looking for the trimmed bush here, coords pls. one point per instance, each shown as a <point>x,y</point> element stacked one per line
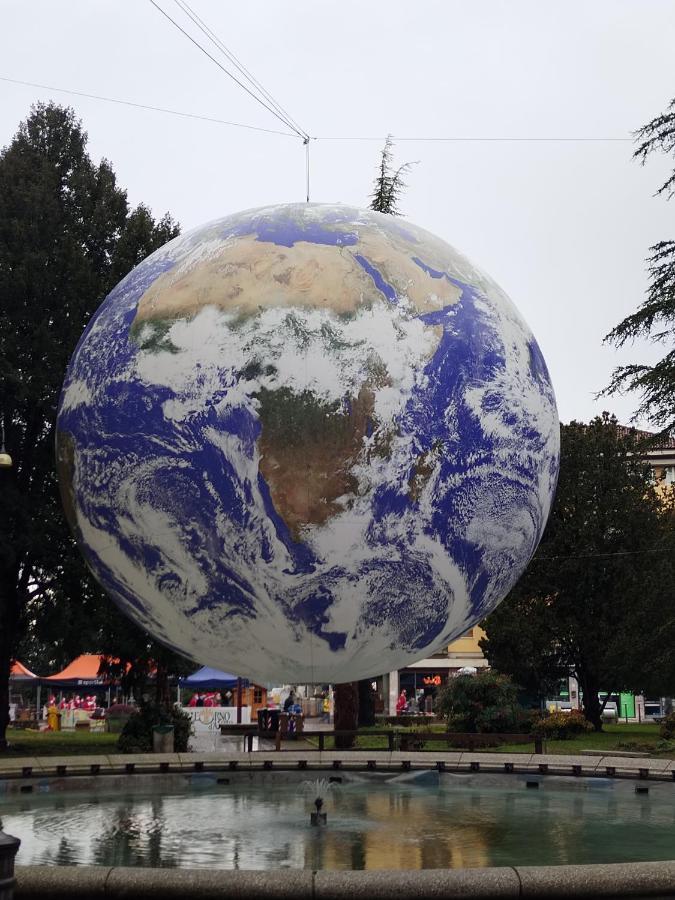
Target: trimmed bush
<point>667,729</point>
<point>483,703</point>
<point>121,710</point>
<point>561,726</point>
<point>136,736</point>
<point>118,715</point>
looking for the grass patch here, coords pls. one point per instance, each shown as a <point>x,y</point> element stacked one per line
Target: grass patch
<point>59,743</point>
<point>643,738</point>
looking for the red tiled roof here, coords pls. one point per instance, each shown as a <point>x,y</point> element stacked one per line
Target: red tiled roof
<point>667,443</point>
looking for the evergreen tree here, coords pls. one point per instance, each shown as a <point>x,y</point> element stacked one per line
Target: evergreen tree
<point>655,317</point>
<point>66,237</point>
<point>598,598</point>
<point>389,183</point>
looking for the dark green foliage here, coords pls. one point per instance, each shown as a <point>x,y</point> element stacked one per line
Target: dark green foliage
<point>655,317</point>
<point>486,702</point>
<point>66,237</point>
<point>667,729</point>
<point>598,598</point>
<point>136,736</point>
<point>389,183</point>
<point>137,656</point>
<point>561,726</point>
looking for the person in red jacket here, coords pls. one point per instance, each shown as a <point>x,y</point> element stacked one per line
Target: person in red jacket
<point>401,703</point>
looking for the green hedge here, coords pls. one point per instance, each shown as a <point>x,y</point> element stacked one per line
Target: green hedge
<point>136,736</point>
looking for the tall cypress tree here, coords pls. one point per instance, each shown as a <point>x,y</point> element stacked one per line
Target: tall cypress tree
<point>389,184</point>
<point>66,237</point>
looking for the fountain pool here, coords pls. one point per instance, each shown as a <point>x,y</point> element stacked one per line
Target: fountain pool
<point>415,820</point>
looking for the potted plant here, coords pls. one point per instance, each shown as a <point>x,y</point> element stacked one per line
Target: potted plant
<point>118,715</point>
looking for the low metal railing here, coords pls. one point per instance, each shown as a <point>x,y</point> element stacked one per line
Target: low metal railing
<point>395,740</point>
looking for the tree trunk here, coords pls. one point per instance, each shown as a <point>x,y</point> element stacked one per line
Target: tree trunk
<point>346,713</point>
<point>8,626</point>
<point>5,665</point>
<point>366,715</point>
<point>592,706</point>
<point>162,696</point>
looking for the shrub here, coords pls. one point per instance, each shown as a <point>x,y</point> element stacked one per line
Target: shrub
<point>121,710</point>
<point>562,726</point>
<point>136,736</point>
<point>486,703</point>
<point>667,729</point>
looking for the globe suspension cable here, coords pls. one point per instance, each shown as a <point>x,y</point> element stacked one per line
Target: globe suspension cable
<point>222,67</point>
<point>218,42</point>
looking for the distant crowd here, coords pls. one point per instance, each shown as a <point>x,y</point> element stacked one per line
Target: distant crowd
<point>214,698</point>
<point>75,702</point>
<point>419,705</point>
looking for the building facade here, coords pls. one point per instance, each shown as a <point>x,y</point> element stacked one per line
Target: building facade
<point>432,673</point>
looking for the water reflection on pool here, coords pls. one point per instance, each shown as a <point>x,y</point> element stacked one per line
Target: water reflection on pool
<point>413,821</point>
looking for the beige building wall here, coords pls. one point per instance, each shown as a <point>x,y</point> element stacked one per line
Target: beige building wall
<point>467,645</point>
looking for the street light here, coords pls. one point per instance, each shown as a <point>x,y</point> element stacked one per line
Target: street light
<point>5,458</point>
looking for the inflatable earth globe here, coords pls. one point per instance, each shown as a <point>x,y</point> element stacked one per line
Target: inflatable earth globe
<point>307,443</point>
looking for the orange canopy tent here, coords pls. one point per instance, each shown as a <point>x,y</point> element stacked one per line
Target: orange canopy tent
<point>21,678</point>
<point>81,672</point>
<point>19,672</point>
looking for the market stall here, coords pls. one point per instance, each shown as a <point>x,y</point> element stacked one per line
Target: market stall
<point>82,681</point>
<point>20,678</point>
<point>219,698</point>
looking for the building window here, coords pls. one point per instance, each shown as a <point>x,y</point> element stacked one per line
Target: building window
<point>257,695</point>
<point>669,474</point>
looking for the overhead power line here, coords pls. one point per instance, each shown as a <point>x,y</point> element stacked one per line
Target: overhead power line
<point>161,109</point>
<point>253,81</point>
<point>603,555</point>
<point>476,138</point>
<point>223,68</point>
<point>204,118</point>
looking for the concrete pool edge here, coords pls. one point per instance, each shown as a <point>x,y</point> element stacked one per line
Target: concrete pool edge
<point>23,770</point>
<point>651,879</point>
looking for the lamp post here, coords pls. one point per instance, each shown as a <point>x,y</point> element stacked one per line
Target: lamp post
<point>9,846</point>
<point>5,458</point>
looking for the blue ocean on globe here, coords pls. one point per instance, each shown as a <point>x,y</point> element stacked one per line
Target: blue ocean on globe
<point>307,443</point>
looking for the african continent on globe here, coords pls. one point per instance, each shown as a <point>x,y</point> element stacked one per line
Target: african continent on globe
<point>307,443</point>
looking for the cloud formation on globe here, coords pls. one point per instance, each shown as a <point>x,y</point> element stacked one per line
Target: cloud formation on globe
<point>307,443</point>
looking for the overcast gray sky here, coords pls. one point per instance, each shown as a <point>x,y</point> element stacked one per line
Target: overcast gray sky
<point>563,226</point>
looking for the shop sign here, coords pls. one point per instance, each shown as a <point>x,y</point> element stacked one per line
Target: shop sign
<point>430,680</point>
<point>210,718</point>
